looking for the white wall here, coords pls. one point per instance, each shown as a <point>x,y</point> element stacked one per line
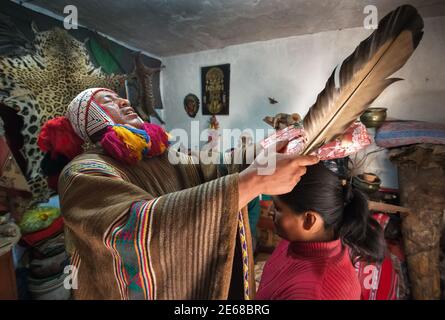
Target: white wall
<point>294,70</point>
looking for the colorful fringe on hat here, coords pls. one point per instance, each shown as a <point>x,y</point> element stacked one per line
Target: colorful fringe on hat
<point>130,145</point>
<point>123,143</point>
<point>58,138</point>
<point>60,144</point>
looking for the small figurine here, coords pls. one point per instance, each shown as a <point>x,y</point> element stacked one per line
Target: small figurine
<point>213,123</point>
<point>282,120</point>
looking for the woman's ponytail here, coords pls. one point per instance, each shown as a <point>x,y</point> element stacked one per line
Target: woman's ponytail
<point>359,230</point>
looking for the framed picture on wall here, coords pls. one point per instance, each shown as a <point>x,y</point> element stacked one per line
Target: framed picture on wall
<point>215,84</point>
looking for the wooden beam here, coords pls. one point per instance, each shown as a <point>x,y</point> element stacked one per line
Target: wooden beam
<point>388,208</point>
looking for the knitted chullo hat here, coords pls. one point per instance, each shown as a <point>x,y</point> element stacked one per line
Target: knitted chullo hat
<point>86,115</point>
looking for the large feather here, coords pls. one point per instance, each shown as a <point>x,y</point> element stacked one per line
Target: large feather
<point>363,76</point>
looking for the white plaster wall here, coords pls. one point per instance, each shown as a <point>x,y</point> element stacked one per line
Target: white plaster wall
<point>294,70</point>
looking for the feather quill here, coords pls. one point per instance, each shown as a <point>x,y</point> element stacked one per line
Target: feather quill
<point>363,76</point>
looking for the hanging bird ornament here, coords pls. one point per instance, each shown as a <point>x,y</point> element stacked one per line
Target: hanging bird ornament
<point>272,100</point>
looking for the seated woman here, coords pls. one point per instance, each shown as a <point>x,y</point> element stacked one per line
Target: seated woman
<point>326,227</point>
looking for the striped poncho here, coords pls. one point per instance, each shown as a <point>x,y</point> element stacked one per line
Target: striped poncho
<point>155,230</point>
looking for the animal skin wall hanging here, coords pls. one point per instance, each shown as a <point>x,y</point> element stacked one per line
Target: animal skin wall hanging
<point>215,82</point>
<point>146,99</point>
<point>38,79</point>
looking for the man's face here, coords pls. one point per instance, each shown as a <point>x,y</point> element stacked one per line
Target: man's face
<point>118,109</point>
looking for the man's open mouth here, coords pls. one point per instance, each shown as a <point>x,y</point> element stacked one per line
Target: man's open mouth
<point>129,112</point>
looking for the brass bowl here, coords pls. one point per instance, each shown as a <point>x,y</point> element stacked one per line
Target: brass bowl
<point>366,186</point>
<point>373,117</point>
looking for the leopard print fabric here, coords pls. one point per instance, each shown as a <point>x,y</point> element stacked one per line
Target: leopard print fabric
<point>39,86</point>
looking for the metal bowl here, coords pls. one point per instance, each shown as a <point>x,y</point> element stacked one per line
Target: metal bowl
<point>366,186</point>
<point>373,117</point>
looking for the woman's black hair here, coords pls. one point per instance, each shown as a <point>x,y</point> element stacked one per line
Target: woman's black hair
<point>344,209</point>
